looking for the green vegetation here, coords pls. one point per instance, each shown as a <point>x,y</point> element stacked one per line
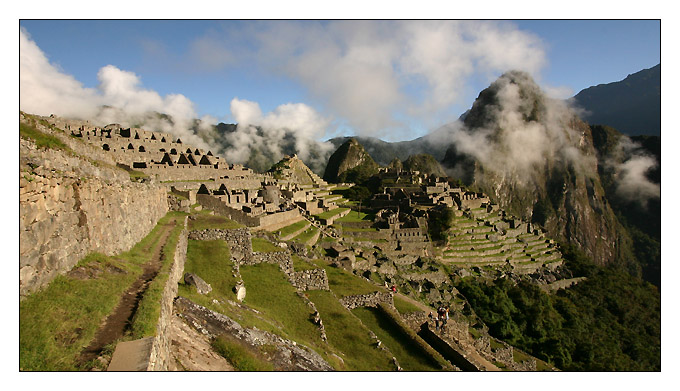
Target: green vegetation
<point>609,322</point>
<point>203,221</point>
<point>290,229</point>
<point>299,264</point>
<point>262,245</point>
<point>439,223</point>
<point>145,320</point>
<point>329,214</point>
<point>404,306</point>
<point>56,323</point>
<point>270,292</point>
<point>346,334</point>
<point>411,356</point>
<point>343,283</point>
<point>243,358</point>
<point>356,216</point>
<point>211,260</point>
<point>307,235</point>
<point>41,140</point>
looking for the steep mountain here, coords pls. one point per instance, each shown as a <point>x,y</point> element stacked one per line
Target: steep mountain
<point>536,158</point>
<point>383,152</point>
<point>632,105</point>
<point>424,163</point>
<point>641,213</point>
<point>350,163</point>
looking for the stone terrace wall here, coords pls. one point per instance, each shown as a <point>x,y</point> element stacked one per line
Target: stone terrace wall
<point>160,349</point>
<point>314,279</point>
<point>70,206</point>
<point>367,300</point>
<point>269,222</point>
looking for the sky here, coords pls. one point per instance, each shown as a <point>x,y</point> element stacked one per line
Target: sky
<point>395,80</point>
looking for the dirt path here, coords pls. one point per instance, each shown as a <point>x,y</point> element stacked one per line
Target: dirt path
<point>118,321</point>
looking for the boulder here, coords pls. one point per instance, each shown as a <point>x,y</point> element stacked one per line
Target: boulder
<point>202,287</point>
<point>240,290</point>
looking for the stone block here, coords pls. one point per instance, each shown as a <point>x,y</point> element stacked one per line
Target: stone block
<point>202,287</point>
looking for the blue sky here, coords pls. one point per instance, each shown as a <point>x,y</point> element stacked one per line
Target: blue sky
<point>211,63</point>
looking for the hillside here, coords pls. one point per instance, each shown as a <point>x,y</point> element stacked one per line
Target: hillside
<point>632,105</point>
<point>350,163</point>
<point>280,272</point>
<point>539,163</point>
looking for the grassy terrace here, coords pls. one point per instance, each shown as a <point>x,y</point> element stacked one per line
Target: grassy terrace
<point>262,245</point>
<point>299,264</point>
<point>344,283</point>
<point>205,221</point>
<point>349,336</point>
<point>409,355</point>
<point>306,235</point>
<point>41,140</point>
<point>290,229</point>
<point>331,213</point>
<point>56,323</point>
<point>355,217</point>
<point>270,292</point>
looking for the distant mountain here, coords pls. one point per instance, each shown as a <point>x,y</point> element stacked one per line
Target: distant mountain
<point>536,159</point>
<point>632,105</point>
<point>424,163</point>
<point>350,163</point>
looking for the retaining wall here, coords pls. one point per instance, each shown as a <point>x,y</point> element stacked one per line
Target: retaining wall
<point>159,357</point>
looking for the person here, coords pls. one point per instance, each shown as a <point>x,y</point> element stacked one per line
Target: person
<point>394,289</point>
<point>436,323</point>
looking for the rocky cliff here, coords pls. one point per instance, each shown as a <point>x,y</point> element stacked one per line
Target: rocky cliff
<point>424,163</point>
<point>350,163</point>
<point>535,158</point>
<point>71,205</point>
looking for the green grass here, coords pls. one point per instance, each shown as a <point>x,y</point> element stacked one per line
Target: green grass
<point>328,214</point>
<point>145,321</point>
<point>299,264</point>
<point>343,283</point>
<point>41,140</point>
<point>290,229</point>
<point>405,306</point>
<point>306,235</point>
<point>262,245</point>
<point>205,221</point>
<point>56,323</point>
<point>347,335</point>
<point>269,291</point>
<point>211,260</point>
<point>410,356</point>
<point>242,357</point>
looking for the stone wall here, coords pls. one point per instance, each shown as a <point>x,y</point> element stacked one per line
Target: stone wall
<point>313,279</point>
<point>160,350</point>
<point>367,300</point>
<point>269,222</point>
<point>70,206</point>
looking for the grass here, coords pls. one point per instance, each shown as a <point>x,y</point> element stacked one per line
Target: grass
<point>410,356</point>
<point>145,321</point>
<point>299,264</point>
<point>307,235</point>
<point>269,291</point>
<point>41,140</point>
<point>205,221</point>
<point>243,358</point>
<point>290,229</point>
<point>347,335</point>
<point>328,214</point>
<point>343,283</point>
<point>211,260</point>
<point>405,306</point>
<point>262,245</point>
<point>56,323</point>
